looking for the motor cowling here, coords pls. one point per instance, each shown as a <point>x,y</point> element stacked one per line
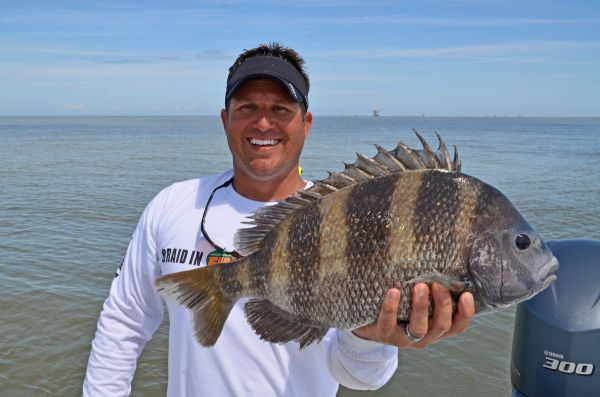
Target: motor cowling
<point>556,341</point>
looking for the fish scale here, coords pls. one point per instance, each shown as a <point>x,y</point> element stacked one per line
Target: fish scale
<point>327,256</point>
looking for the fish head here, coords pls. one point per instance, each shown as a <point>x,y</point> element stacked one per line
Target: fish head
<point>508,261</point>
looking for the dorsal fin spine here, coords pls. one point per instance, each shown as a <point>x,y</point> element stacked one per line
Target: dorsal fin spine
<point>356,173</point>
<point>387,159</point>
<point>311,195</point>
<point>370,166</point>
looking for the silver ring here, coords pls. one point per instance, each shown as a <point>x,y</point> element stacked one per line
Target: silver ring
<point>410,336</point>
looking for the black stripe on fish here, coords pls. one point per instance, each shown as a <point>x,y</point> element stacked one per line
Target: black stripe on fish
<point>261,270</point>
<point>435,212</point>
<point>368,220</point>
<point>304,235</point>
<point>486,198</point>
<point>228,278</point>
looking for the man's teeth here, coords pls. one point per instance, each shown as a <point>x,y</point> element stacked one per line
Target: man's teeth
<point>264,142</point>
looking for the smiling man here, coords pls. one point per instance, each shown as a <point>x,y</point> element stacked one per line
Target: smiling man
<point>265,130</point>
<point>192,224</point>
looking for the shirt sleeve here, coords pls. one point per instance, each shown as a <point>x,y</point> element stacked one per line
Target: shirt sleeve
<point>361,364</point>
<point>130,316</point>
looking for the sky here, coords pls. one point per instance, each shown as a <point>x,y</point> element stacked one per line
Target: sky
<point>403,57</point>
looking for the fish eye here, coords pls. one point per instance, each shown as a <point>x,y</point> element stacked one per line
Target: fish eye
<point>522,241</point>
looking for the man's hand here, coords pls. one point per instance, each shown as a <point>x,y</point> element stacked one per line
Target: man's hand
<point>443,324</point>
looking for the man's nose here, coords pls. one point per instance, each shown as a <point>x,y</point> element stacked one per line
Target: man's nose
<point>264,122</point>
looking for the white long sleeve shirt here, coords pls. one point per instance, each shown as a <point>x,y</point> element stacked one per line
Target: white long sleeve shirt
<point>168,239</point>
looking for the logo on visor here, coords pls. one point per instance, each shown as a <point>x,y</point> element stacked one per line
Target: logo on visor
<point>292,91</point>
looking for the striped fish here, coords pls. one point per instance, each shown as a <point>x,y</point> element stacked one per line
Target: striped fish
<point>327,256</point>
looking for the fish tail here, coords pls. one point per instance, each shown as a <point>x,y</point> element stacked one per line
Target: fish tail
<point>209,292</point>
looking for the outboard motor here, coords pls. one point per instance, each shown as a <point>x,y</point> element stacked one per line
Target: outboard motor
<point>556,342</point>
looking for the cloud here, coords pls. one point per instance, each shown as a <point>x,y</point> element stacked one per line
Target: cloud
<point>500,50</point>
<point>126,61</point>
<point>99,71</point>
<point>215,55</point>
<point>239,13</point>
<point>462,22</point>
<point>115,56</point>
<point>62,51</point>
<point>76,107</point>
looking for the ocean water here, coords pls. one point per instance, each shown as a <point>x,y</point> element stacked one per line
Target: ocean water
<point>72,189</point>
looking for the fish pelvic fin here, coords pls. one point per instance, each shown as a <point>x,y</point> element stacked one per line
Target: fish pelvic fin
<point>207,292</point>
<point>454,284</point>
<point>400,159</point>
<point>273,324</point>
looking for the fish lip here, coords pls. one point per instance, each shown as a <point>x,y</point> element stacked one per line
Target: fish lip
<point>548,276</point>
<point>548,273</point>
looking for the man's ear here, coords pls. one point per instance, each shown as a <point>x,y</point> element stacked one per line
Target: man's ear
<point>308,119</point>
<point>224,120</point>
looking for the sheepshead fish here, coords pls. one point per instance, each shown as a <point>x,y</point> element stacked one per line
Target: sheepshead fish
<point>327,256</point>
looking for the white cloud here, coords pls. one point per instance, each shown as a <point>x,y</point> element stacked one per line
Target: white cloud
<point>96,54</point>
<point>76,107</point>
<point>466,51</point>
<point>463,22</point>
<point>237,13</point>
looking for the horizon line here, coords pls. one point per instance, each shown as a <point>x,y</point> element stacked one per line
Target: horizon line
<point>316,115</point>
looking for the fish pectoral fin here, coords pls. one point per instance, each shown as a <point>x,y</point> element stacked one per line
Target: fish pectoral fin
<point>454,284</point>
<point>273,324</point>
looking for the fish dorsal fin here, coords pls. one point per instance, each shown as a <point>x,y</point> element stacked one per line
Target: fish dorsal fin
<point>400,159</point>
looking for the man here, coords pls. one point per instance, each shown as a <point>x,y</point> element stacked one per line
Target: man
<point>192,224</point>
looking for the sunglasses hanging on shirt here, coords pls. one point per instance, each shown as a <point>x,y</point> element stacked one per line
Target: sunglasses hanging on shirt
<point>221,251</point>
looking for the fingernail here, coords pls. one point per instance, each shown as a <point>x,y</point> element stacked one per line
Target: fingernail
<point>422,291</point>
<point>468,299</point>
<point>392,294</point>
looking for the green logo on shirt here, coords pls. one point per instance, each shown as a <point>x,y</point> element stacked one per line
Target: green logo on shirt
<point>218,256</point>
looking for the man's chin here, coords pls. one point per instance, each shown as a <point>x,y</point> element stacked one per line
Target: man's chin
<point>268,173</point>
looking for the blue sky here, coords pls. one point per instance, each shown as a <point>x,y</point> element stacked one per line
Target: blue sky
<point>469,57</point>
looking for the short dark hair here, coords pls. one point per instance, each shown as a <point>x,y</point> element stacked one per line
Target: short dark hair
<point>276,50</point>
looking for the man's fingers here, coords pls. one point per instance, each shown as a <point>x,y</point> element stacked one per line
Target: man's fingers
<point>442,312</point>
<point>464,313</point>
<point>385,330</point>
<point>443,324</point>
<point>387,320</point>
<point>419,315</point>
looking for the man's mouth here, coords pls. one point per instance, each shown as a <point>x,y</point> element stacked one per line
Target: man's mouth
<point>264,142</point>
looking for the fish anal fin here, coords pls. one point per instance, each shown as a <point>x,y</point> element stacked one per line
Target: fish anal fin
<point>273,324</point>
<point>454,284</point>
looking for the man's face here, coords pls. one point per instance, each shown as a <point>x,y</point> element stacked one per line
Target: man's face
<point>265,131</point>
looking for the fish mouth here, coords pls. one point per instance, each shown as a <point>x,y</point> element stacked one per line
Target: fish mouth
<point>548,272</point>
<point>547,275</point>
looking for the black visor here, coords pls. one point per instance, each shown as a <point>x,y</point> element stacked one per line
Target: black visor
<point>272,68</point>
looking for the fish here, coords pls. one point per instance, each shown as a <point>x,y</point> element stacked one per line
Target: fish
<point>325,257</point>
